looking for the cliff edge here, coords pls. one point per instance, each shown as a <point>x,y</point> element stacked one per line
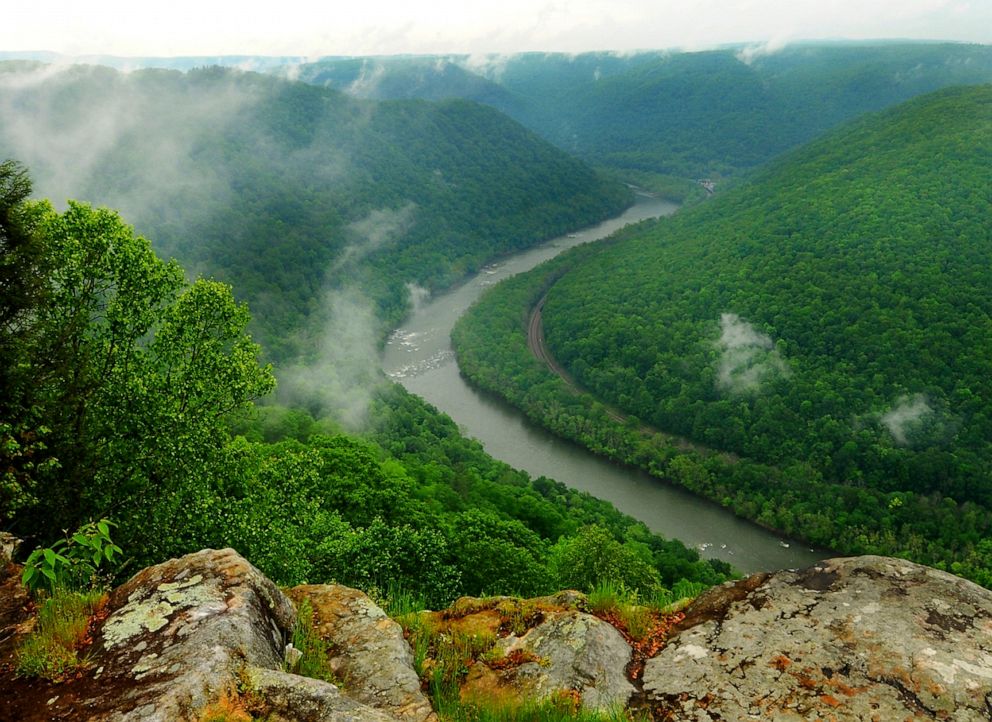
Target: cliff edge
<point>863,638</point>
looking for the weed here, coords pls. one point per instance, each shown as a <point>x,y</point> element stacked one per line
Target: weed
<point>51,651</point>
<point>563,706</point>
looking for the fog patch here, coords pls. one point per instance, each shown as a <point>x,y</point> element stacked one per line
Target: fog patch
<point>910,415</point>
<point>750,53</point>
<point>376,230</point>
<point>341,369</point>
<point>748,358</point>
<point>418,295</point>
<point>368,80</point>
<point>120,144</point>
<point>490,66</point>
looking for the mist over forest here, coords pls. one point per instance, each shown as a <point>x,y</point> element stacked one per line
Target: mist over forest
<point>203,258</point>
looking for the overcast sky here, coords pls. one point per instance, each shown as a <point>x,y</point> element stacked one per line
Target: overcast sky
<point>359,27</point>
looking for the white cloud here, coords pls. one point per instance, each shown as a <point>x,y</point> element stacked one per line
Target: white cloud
<point>294,27</point>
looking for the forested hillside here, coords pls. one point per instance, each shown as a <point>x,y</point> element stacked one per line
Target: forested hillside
<point>286,190</point>
<point>128,395</point>
<point>690,115</point>
<point>828,324</point>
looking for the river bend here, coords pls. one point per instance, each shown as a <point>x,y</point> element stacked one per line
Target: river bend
<point>419,356</point>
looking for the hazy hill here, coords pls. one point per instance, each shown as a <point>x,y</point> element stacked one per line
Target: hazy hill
<point>685,114</point>
<point>836,311</point>
<point>289,191</point>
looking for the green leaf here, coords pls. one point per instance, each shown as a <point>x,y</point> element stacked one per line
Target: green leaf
<point>103,527</point>
<point>49,557</point>
<point>48,573</point>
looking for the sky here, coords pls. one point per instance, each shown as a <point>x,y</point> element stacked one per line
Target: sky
<point>311,28</point>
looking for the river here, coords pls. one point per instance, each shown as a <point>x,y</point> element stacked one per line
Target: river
<point>419,356</point>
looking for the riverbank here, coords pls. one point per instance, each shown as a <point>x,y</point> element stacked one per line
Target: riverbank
<point>419,355</point>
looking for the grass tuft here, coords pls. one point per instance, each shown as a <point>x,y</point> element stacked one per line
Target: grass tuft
<point>316,659</point>
<point>51,651</point>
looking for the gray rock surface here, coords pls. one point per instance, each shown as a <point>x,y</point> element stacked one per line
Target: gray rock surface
<point>291,698</point>
<point>864,638</point>
<point>368,651</point>
<point>178,633</point>
<point>569,650</point>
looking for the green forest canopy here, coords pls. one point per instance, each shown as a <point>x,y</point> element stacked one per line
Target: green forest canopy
<point>128,394</point>
<point>286,190</point>
<point>835,311</point>
<point>692,114</point>
<point>827,323</point>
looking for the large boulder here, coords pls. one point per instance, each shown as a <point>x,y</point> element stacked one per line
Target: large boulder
<point>864,638</point>
<point>567,651</point>
<point>178,633</point>
<point>291,698</point>
<point>367,650</point>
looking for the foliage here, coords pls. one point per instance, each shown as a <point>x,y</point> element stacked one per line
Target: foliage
<point>860,268</point>
<point>142,379</point>
<point>557,708</point>
<point>593,557</point>
<point>50,651</point>
<point>131,374</point>
<point>72,562</point>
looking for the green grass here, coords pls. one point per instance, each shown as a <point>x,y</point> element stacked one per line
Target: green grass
<point>315,661</point>
<point>51,650</point>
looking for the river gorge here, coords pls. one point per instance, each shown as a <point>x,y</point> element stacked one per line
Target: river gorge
<point>419,356</point>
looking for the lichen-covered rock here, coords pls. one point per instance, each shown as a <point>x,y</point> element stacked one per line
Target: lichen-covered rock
<point>290,698</point>
<point>865,638</point>
<point>569,650</point>
<point>368,651</point>
<point>178,633</point>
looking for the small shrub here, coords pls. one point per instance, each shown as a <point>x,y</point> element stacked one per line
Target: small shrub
<point>72,562</point>
<point>51,651</point>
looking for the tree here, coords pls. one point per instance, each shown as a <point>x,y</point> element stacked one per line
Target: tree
<point>133,371</point>
<point>593,556</point>
<point>22,288</point>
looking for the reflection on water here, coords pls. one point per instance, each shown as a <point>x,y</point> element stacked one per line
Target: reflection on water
<point>419,356</point>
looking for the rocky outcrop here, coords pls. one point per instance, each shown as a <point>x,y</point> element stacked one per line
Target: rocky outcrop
<point>178,632</point>
<point>291,698</point>
<point>367,651</point>
<point>181,636</point>
<point>863,638</point>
